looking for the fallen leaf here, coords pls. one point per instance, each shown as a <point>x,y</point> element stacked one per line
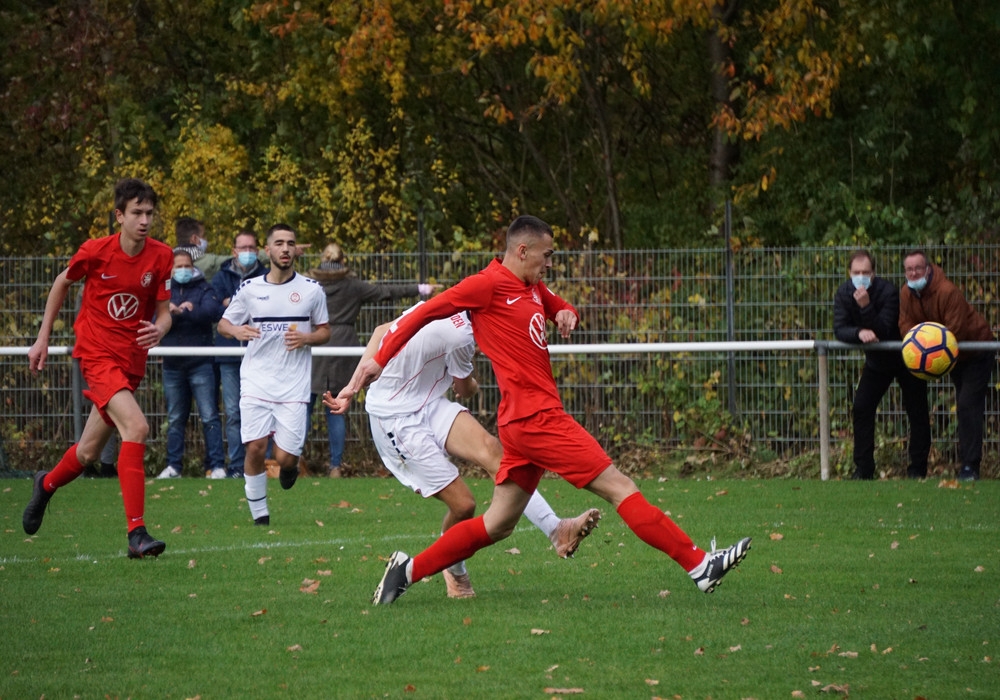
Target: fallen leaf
<point>894,545</point>
<point>563,691</point>
<point>848,654</point>
<point>263,559</point>
<point>176,530</point>
<point>887,650</point>
<point>650,681</point>
<point>513,550</point>
<point>798,694</point>
<point>948,484</point>
<point>834,688</point>
<point>309,586</point>
<point>320,523</point>
<point>722,493</point>
<point>262,611</point>
<point>663,593</point>
<point>700,651</point>
<point>191,563</point>
<point>738,647</point>
<point>410,688</point>
<point>107,619</point>
<point>482,669</point>
<point>294,647</point>
<point>979,569</point>
<point>745,621</point>
<point>324,572</point>
<point>776,536</point>
<point>538,631</point>
<point>342,504</point>
<point>466,621</point>
<point>775,569</point>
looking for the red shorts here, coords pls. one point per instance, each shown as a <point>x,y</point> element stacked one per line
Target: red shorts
<point>105,379</point>
<point>551,441</point>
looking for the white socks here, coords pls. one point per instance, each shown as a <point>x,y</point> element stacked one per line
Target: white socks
<point>256,491</point>
<point>541,515</point>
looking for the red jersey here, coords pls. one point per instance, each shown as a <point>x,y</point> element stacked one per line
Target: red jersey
<point>509,324</point>
<point>119,292</point>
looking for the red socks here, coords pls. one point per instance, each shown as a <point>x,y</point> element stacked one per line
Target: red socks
<point>460,541</point>
<point>653,527</point>
<point>68,468</point>
<point>132,477</point>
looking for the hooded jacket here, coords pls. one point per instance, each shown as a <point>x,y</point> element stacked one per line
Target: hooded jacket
<point>942,302</point>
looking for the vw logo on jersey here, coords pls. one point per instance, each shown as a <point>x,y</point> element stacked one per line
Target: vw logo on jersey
<point>536,331</point>
<point>122,307</point>
<point>294,298</point>
<point>147,279</point>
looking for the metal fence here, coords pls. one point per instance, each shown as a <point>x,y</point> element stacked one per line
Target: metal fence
<point>752,406</point>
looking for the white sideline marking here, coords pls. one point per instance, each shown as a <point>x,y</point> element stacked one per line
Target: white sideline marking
<point>237,547</point>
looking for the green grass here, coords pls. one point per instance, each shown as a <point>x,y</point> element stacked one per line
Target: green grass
<point>873,586</point>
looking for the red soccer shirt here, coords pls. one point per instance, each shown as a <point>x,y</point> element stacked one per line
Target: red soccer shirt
<point>119,292</point>
<point>509,323</point>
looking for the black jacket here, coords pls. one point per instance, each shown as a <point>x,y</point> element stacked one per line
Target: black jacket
<point>881,315</point>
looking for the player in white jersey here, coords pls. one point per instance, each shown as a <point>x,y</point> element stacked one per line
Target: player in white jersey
<point>416,429</point>
<point>278,315</point>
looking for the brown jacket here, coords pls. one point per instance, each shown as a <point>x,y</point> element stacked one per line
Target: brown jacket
<point>942,302</point>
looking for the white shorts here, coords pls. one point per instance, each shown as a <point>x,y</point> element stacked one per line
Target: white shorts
<point>284,422</point>
<point>412,446</point>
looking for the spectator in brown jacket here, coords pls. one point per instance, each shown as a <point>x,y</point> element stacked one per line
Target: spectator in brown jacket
<point>929,296</point>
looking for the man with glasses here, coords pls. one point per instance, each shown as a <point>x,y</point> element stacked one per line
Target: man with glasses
<point>244,265</point>
<point>930,296</point>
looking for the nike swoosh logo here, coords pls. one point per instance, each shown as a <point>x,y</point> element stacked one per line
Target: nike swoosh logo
<point>107,277</point>
<point>511,301</point>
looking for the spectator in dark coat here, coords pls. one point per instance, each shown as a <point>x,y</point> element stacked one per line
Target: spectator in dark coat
<point>345,295</point>
<point>194,307</point>
<point>866,310</point>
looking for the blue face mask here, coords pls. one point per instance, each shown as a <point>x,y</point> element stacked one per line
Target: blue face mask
<point>861,281</point>
<point>917,285</point>
<point>246,258</point>
<point>183,275</point>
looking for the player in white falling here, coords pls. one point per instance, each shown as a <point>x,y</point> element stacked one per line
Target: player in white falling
<point>279,315</point>
<point>415,429</point>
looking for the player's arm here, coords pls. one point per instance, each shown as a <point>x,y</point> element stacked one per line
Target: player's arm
<point>228,329</point>
<point>465,387</point>
<point>39,352</point>
<point>295,339</point>
<point>151,333</point>
<point>340,403</point>
<point>560,311</point>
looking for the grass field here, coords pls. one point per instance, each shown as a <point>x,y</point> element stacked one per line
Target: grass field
<point>877,590</point>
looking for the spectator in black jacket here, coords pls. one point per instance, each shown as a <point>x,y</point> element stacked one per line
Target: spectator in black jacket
<point>866,310</point>
<point>194,307</point>
<point>244,264</point>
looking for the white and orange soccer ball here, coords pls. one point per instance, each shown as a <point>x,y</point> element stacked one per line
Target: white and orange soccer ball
<point>929,350</point>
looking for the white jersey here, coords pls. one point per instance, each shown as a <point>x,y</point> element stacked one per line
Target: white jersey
<point>423,369</point>
<point>269,370</point>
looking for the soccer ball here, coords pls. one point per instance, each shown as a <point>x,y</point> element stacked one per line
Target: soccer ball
<point>929,350</point>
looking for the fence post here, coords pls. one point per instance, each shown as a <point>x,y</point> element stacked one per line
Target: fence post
<point>824,413</point>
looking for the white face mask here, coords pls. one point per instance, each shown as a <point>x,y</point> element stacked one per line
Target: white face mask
<point>861,281</point>
<point>917,285</point>
<point>202,245</point>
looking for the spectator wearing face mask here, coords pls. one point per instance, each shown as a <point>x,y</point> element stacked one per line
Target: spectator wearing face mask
<point>930,296</point>
<point>866,310</point>
<point>190,234</point>
<point>194,308</point>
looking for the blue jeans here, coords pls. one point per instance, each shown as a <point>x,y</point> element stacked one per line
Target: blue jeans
<point>336,430</point>
<point>179,387</point>
<point>229,374</point>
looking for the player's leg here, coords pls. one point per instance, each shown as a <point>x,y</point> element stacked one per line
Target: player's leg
<point>468,440</point>
<point>256,423</point>
<point>289,437</point>
<point>132,425</point>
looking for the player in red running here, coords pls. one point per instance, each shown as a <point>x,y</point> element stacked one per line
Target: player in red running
<point>510,307</point>
<point>125,311</point>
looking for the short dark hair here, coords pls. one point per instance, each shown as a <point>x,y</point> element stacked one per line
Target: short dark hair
<point>526,225</point>
<point>281,227</point>
<point>131,188</point>
<point>920,252</point>
<point>860,253</point>
<point>185,228</point>
<point>246,233</point>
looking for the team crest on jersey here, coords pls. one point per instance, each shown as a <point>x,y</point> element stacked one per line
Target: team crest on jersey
<point>147,279</point>
<point>294,297</point>
<point>122,307</point>
<point>536,331</point>
<point>534,295</point>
